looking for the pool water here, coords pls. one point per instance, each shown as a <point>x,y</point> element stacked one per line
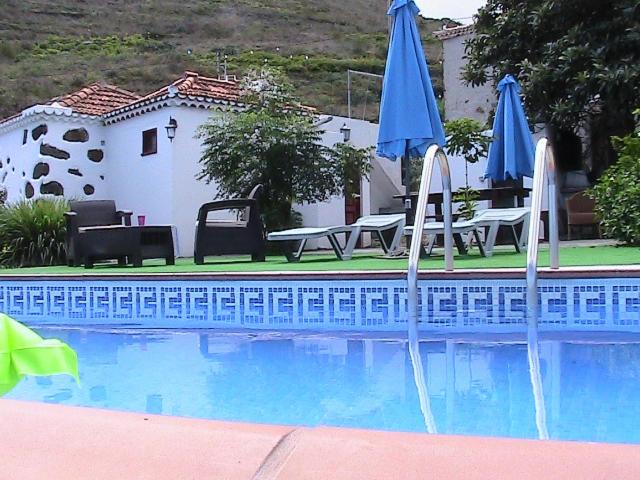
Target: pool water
<point>476,386</point>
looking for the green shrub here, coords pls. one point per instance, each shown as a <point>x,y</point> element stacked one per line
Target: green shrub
<point>32,233</point>
<point>465,137</point>
<point>109,45</point>
<point>617,193</point>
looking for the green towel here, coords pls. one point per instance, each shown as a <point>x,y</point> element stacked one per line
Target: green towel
<point>24,352</point>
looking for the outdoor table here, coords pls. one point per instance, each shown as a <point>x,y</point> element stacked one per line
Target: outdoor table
<point>496,195</point>
<point>109,241</point>
<point>156,241</point>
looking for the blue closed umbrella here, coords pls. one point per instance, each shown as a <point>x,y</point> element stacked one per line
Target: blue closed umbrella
<point>511,154</point>
<point>409,117</point>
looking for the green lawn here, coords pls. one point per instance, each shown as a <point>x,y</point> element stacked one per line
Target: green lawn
<point>502,258</point>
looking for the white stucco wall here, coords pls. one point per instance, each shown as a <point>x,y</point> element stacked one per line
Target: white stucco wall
<point>16,158</point>
<point>460,99</point>
<point>19,160</point>
<point>140,183</point>
<point>188,192</point>
<point>163,186</point>
<point>376,193</point>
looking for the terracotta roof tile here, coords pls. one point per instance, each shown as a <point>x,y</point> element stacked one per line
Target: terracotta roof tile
<point>101,99</point>
<point>96,99</point>
<point>448,33</point>
<point>194,85</point>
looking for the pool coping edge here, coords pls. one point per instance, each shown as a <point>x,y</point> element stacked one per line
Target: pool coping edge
<point>609,271</point>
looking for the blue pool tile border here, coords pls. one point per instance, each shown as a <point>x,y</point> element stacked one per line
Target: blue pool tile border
<point>597,304</point>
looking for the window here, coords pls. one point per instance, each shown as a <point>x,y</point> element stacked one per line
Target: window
<point>150,142</point>
<point>25,134</point>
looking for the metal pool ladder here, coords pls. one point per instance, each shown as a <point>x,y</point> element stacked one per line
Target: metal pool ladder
<point>545,166</point>
<point>433,152</point>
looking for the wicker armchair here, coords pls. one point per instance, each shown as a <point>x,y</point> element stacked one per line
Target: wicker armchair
<point>96,231</point>
<point>243,235</point>
<point>580,213</point>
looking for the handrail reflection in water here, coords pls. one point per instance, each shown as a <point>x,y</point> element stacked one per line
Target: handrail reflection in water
<point>420,379</point>
<point>533,357</point>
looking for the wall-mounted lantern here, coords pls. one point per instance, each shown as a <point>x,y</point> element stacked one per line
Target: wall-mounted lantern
<point>346,133</point>
<point>171,128</point>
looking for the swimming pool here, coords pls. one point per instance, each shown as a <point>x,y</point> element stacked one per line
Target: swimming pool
<point>475,386</point>
<point>335,352</point>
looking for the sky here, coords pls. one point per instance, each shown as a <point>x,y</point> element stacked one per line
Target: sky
<point>455,9</point>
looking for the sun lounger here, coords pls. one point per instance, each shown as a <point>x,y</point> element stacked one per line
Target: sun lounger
<point>458,229</point>
<point>301,236</point>
<point>493,218</point>
<point>388,228</point>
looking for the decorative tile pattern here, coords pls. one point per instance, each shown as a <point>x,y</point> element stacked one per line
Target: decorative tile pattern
<point>589,304</point>
<point>146,302</point>
<point>512,304</point>
<point>171,302</point>
<point>478,305</point>
<point>281,305</point>
<point>223,305</point>
<point>311,305</point>
<point>626,304</point>
<point>442,305</point>
<point>594,304</point>
<point>374,306</point>
<point>197,303</point>
<point>99,302</point>
<point>252,305</point>
<point>122,302</point>
<point>342,306</point>
<point>554,307</point>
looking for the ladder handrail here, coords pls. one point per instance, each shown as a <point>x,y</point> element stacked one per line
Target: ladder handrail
<point>418,225</point>
<point>545,166</point>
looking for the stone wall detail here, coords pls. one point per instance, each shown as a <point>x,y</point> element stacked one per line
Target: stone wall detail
<point>76,135</point>
<point>59,158</point>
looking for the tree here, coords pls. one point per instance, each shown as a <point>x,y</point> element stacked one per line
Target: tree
<point>466,137</point>
<point>578,63</point>
<point>274,142</point>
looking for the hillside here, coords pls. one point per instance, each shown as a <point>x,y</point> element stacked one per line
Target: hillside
<point>50,48</point>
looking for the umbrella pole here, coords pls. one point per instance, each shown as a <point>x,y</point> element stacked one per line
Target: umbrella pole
<point>408,207</point>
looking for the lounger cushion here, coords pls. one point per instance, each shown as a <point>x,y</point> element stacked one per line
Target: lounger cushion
<point>305,232</point>
<point>505,216</point>
<point>380,221</point>
<point>438,227</point>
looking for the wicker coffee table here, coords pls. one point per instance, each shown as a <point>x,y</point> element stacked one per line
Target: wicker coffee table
<point>156,241</point>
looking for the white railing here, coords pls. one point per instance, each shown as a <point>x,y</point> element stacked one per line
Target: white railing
<point>545,166</point>
<point>433,152</point>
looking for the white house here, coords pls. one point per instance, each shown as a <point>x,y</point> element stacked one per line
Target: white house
<point>465,101</point>
<point>103,142</point>
<point>462,100</point>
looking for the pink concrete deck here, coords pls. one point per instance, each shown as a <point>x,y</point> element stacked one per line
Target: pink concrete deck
<point>40,441</point>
